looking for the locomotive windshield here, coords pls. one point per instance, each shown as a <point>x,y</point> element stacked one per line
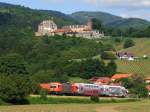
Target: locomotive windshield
<point>53,86</point>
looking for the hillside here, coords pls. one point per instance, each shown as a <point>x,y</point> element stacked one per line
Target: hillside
<point>141,47</point>
<point>83,16</point>
<point>19,17</point>
<point>110,20</point>
<point>140,66</point>
<point>42,56</point>
<point>17,27</point>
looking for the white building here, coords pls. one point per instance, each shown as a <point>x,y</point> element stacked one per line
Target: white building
<point>46,27</point>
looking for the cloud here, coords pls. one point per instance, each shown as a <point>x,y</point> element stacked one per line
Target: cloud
<point>124,8</point>
<point>120,3</point>
<point>107,3</point>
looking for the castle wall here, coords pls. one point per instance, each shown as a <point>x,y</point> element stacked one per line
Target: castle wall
<point>49,28</point>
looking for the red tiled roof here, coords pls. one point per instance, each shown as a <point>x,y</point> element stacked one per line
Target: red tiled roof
<point>87,29</point>
<point>120,76</point>
<point>103,79</point>
<point>93,78</point>
<point>63,30</point>
<point>148,78</point>
<point>148,87</point>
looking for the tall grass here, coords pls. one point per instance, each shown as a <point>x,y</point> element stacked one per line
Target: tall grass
<point>54,100</point>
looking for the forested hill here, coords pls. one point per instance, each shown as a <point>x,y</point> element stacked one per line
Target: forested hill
<point>23,16</point>
<point>47,58</point>
<point>19,17</point>
<point>111,20</point>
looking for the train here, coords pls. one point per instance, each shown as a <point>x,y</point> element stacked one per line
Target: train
<point>84,89</point>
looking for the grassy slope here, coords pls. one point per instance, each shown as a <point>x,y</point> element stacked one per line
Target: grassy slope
<point>142,47</point>
<point>141,66</point>
<point>142,106</point>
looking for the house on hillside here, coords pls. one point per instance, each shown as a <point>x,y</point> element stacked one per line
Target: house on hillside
<point>101,80</point>
<point>148,88</point>
<point>126,56</point>
<point>120,76</point>
<point>93,79</point>
<point>147,80</point>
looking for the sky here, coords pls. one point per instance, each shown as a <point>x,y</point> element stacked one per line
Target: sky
<point>123,8</point>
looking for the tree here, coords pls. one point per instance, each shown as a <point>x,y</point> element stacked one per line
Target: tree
<point>43,76</point>
<point>14,88</point>
<point>128,43</point>
<point>13,64</point>
<point>136,85</point>
<point>97,24</point>
<point>43,94</point>
<point>92,67</point>
<point>111,68</point>
<point>108,55</point>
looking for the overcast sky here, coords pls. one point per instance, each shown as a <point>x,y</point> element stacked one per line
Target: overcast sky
<point>124,8</point>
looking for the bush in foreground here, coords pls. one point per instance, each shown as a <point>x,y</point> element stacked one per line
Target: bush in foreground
<point>128,43</point>
<point>14,88</point>
<point>95,98</point>
<point>43,94</point>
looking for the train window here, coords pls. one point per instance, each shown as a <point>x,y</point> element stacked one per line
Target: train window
<point>53,86</point>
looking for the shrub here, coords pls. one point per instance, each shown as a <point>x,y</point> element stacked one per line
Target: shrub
<point>107,55</point>
<point>95,98</point>
<point>128,43</point>
<point>14,88</point>
<point>43,94</point>
<point>118,40</point>
<point>111,68</point>
<point>136,85</point>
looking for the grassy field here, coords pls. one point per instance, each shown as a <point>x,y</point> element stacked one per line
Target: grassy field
<point>35,99</point>
<point>139,66</point>
<point>142,46</point>
<point>141,106</point>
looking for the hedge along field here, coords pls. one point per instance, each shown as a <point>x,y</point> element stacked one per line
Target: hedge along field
<point>142,106</point>
<point>75,99</point>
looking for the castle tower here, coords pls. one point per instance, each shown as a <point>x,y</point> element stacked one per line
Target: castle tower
<point>90,24</point>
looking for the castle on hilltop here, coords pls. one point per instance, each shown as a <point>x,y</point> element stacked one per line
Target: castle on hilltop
<point>48,27</point>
